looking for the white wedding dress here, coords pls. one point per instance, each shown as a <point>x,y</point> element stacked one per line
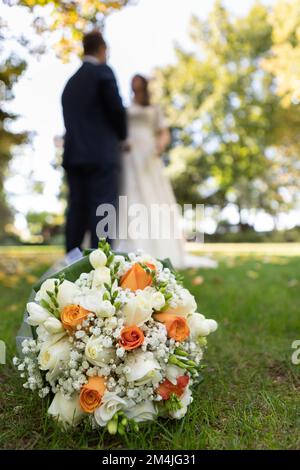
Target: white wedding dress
<point>144,182</point>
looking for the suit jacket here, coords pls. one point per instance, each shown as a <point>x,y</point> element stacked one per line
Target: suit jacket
<point>94,116</point>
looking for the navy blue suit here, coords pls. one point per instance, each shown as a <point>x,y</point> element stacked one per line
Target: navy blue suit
<point>95,122</point>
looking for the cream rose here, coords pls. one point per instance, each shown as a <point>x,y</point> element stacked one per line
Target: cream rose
<point>96,353</point>
<point>142,368</point>
<point>67,411</point>
<point>144,411</point>
<point>138,309</point>
<point>51,354</point>
<point>185,306</point>
<point>106,309</point>
<point>111,403</point>
<point>93,303</point>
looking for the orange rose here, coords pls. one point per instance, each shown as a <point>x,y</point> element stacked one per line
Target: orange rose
<point>131,337</point>
<point>166,388</point>
<point>177,327</point>
<point>73,315</point>
<point>137,278</point>
<point>91,394</point>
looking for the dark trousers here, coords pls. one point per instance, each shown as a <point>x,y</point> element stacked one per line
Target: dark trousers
<point>88,188</point>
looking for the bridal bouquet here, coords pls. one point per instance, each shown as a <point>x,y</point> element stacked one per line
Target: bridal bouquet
<point>115,338</point>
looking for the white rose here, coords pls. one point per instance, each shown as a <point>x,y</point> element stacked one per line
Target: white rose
<point>185,400</point>
<point>143,368</point>
<point>42,333</point>
<point>138,309</point>
<point>119,259</point>
<point>67,411</point>
<point>53,325</point>
<point>186,304</point>
<point>67,291</point>
<point>172,372</point>
<point>106,309</point>
<point>37,314</point>
<point>158,301</point>
<point>96,353</point>
<point>213,325</point>
<point>93,303</point>
<point>200,326</point>
<point>101,277</point>
<point>51,354</point>
<point>144,411</point>
<point>111,403</point>
<point>98,258</point>
<point>90,301</point>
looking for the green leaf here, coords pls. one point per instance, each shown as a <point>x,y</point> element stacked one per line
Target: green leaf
<point>71,272</point>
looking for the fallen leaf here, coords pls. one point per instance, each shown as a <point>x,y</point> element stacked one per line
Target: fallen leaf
<point>198,280</point>
<point>13,308</point>
<point>218,280</point>
<point>31,279</point>
<point>252,274</point>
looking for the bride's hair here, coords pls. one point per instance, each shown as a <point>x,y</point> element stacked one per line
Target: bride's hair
<point>143,91</point>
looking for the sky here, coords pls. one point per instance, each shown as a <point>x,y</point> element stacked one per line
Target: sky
<point>140,37</point>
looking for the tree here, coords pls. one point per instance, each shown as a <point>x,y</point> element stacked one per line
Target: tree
<point>226,119</point>
<point>284,60</point>
<point>68,19</point>
<point>11,69</point>
<point>43,226</point>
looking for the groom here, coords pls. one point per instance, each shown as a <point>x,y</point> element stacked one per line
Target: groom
<point>95,122</point>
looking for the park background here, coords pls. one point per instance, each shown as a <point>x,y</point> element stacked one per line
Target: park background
<point>227,75</point>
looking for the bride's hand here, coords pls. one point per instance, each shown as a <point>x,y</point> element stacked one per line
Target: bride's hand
<point>126,147</point>
<point>160,148</point>
<point>163,140</point>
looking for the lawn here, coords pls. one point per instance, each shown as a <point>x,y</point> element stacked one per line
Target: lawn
<point>250,398</point>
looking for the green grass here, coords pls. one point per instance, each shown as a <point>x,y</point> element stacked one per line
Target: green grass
<point>250,396</point>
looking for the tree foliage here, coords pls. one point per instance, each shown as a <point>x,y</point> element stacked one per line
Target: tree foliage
<point>11,69</point>
<point>43,226</point>
<point>234,142</point>
<point>284,60</point>
<point>68,19</point>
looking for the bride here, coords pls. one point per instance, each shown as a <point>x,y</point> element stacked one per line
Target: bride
<point>147,188</point>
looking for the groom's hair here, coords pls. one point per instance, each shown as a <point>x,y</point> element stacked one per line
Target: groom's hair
<point>92,42</point>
